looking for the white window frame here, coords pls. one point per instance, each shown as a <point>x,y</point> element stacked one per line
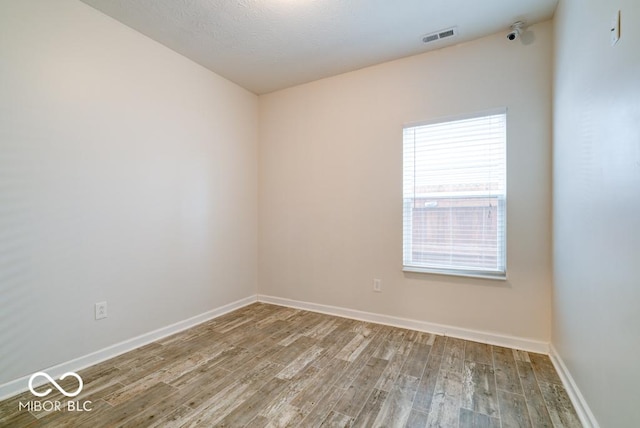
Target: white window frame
<point>408,206</point>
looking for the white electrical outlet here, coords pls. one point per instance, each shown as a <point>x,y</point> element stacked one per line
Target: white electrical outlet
<point>101,310</point>
<point>377,285</point>
<point>615,28</point>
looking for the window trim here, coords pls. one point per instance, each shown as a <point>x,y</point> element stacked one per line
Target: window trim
<point>454,118</point>
<point>467,273</point>
<point>499,276</point>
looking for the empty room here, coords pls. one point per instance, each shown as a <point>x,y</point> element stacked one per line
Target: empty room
<point>304,213</point>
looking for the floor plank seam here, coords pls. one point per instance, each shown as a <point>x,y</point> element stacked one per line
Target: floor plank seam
<point>269,365</point>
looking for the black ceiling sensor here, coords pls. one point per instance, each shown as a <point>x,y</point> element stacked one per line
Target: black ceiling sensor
<point>516,29</point>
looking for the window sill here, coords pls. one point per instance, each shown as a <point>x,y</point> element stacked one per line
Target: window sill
<point>498,276</point>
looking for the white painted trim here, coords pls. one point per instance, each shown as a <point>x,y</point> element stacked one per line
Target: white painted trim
<point>428,327</point>
<point>19,385</point>
<point>587,418</point>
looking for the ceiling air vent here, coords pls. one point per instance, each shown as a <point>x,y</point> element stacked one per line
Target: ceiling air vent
<point>438,35</point>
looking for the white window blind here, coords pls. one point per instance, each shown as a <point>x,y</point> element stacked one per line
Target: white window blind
<point>454,191</point>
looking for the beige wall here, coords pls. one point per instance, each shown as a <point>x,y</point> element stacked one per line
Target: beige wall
<point>128,174</point>
<point>596,327</point>
<point>330,185</point>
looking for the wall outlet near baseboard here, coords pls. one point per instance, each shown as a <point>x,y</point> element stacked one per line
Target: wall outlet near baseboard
<point>615,28</point>
<point>377,285</point>
<point>101,310</point>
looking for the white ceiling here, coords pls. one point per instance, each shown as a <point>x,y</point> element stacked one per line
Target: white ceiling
<point>266,45</point>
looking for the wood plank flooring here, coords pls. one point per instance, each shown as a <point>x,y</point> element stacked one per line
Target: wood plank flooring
<point>271,366</point>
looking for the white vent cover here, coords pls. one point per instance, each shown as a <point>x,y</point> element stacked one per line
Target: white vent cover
<point>438,35</point>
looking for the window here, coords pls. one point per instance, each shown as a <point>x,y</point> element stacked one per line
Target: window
<point>454,191</point>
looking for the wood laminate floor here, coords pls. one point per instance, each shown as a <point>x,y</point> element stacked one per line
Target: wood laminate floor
<point>271,366</point>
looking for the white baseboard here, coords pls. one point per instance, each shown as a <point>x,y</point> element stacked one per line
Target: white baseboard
<point>587,418</point>
<point>445,330</point>
<point>19,385</point>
